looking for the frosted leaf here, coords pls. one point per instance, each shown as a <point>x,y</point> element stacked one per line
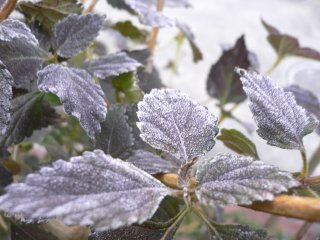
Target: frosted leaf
<point>23,60</point>
<point>306,99</point>
<point>94,189</point>
<point>6,82</point>
<point>79,94</point>
<point>112,65</point>
<point>235,179</point>
<point>281,121</point>
<point>115,137</point>
<point>148,16</point>
<point>171,121</point>
<point>152,163</point>
<point>186,30</point>
<point>237,232</point>
<point>74,34</point>
<point>10,29</point>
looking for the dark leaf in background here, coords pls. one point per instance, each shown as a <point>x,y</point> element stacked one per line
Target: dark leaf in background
<point>237,232</point>
<point>235,179</point>
<point>152,163</point>
<point>93,189</point>
<point>112,65</point>
<point>29,232</point>
<point>79,94</point>
<point>285,44</point>
<point>48,12</point>
<point>223,83</point>
<point>149,16</point>
<point>127,29</point>
<point>154,229</point>
<point>23,60</point>
<point>185,29</point>
<point>11,29</point>
<point>43,39</point>
<point>6,82</point>
<point>120,4</point>
<point>29,112</point>
<point>6,176</point>
<point>238,142</point>
<point>115,137</point>
<point>281,121</point>
<point>171,121</point>
<point>126,88</point>
<point>147,81</point>
<point>306,99</point>
<point>74,34</point>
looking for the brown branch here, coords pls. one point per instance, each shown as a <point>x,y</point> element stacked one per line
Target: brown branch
<point>305,208</point>
<point>7,8</point>
<point>90,7</point>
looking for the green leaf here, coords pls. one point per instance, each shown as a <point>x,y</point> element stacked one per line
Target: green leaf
<point>127,29</point>
<point>237,232</point>
<point>126,89</point>
<point>223,83</point>
<point>238,142</point>
<point>285,44</point>
<point>115,137</point>
<point>29,112</point>
<point>48,12</point>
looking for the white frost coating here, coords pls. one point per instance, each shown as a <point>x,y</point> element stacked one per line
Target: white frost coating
<point>150,17</point>
<point>74,33</point>
<point>94,189</point>
<point>6,83</point>
<point>281,121</point>
<point>10,29</point>
<point>79,94</point>
<point>152,163</point>
<point>112,65</point>
<point>235,179</point>
<point>171,121</point>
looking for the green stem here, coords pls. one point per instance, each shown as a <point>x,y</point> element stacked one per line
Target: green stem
<point>205,220</point>
<point>275,64</point>
<point>182,214</point>
<point>304,171</point>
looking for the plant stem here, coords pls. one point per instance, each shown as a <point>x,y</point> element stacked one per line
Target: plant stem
<point>199,213</point>
<point>7,8</point>
<point>304,171</point>
<point>182,214</point>
<point>302,231</point>
<point>153,38</point>
<point>275,64</point>
<point>90,7</point>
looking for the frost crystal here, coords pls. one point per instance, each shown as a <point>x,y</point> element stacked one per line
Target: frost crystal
<point>94,189</point>
<point>235,179</point>
<point>171,121</point>
<point>80,96</point>
<point>281,121</point>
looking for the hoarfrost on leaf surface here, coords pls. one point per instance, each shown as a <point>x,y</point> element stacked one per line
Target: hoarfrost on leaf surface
<point>6,82</point>
<point>148,16</point>
<point>281,121</point>
<point>10,29</point>
<point>74,34</point>
<point>79,94</point>
<point>235,179</point>
<point>112,65</point>
<point>94,189</point>
<point>171,121</point>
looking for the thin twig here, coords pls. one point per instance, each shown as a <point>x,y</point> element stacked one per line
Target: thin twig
<point>7,8</point>
<point>302,231</point>
<point>90,8</point>
<point>306,208</point>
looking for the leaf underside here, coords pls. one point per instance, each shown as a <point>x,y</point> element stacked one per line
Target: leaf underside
<point>171,121</point>
<point>74,34</point>
<point>93,189</point>
<point>79,94</point>
<point>281,121</point>
<point>235,179</point>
